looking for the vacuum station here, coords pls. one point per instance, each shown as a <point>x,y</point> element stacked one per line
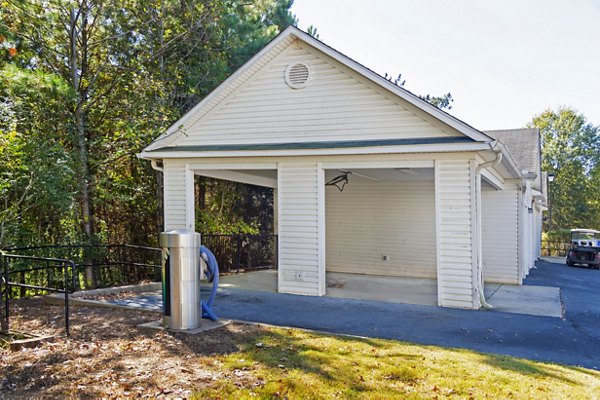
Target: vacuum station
<point>185,262</point>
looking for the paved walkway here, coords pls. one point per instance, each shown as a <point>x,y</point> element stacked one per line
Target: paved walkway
<point>574,340</point>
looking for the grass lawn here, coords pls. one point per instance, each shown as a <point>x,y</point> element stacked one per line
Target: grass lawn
<point>289,363</point>
<point>108,356</point>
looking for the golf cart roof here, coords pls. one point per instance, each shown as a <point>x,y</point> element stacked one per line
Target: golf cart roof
<point>584,231</point>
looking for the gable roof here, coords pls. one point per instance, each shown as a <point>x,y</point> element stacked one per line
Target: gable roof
<point>284,39</point>
<point>523,145</point>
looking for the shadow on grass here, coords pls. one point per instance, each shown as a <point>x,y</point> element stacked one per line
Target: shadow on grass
<point>326,357</point>
<point>528,368</point>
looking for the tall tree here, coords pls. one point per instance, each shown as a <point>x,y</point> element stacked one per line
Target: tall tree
<point>570,151</point>
<point>443,102</point>
<point>122,73</point>
<point>35,177</point>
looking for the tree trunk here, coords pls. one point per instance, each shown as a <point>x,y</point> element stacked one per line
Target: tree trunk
<point>81,135</point>
<point>160,222</point>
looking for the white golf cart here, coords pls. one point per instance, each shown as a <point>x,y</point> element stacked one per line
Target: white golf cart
<point>585,248</point>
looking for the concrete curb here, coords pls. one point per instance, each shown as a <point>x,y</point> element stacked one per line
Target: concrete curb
<point>60,300</point>
<point>78,298</point>
<point>146,287</point>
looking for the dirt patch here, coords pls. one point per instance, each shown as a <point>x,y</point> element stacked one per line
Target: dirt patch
<point>108,356</point>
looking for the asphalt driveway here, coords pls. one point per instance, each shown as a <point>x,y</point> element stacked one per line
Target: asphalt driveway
<point>574,340</point>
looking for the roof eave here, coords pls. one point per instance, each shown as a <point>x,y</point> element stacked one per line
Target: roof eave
<point>401,149</point>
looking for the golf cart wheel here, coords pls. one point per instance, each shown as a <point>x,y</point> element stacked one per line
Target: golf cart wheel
<point>570,263</point>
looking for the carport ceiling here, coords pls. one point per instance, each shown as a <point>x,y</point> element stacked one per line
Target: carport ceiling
<point>384,174</point>
<point>268,178</point>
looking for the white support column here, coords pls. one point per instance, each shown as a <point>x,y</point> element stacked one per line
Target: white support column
<point>457,234</point>
<point>321,241</point>
<point>500,234</point>
<point>175,208</point>
<point>275,212</point>
<point>301,228</point>
<point>190,199</point>
<point>521,236</point>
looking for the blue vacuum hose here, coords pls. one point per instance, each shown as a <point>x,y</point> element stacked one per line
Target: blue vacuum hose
<point>213,276</point>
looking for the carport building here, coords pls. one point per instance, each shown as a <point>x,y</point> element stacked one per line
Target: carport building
<point>423,193</point>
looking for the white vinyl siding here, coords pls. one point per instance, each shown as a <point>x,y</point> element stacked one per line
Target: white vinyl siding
<point>336,105</point>
<point>174,195</point>
<point>300,269</point>
<point>500,235</point>
<point>371,219</point>
<point>454,184</point>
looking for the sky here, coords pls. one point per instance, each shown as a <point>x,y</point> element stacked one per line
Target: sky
<point>503,61</point>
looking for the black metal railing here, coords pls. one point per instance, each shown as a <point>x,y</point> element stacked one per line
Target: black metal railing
<point>112,264</point>
<point>23,276</point>
<point>236,253</point>
<point>28,271</point>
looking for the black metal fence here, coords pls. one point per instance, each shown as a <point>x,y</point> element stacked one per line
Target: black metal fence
<point>553,248</point>
<point>105,264</point>
<point>29,271</point>
<point>237,253</point>
<point>123,264</point>
<point>28,275</point>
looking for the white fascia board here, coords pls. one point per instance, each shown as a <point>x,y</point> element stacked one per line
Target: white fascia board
<point>235,176</point>
<point>229,166</point>
<point>491,178</point>
<point>435,148</point>
<point>378,164</point>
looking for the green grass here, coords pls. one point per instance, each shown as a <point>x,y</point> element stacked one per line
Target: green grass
<point>289,363</point>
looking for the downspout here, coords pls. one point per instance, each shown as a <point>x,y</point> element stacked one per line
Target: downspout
<point>154,164</point>
<point>478,212</point>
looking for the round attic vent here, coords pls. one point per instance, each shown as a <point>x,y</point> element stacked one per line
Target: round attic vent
<point>297,75</point>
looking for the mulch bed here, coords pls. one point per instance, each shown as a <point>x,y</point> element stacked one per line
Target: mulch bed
<point>108,356</point>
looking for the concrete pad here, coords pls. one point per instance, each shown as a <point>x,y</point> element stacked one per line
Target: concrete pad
<point>348,286</point>
<point>205,325</point>
<point>530,300</point>
<point>265,280</point>
<point>555,260</point>
<point>525,299</point>
<point>382,288</point>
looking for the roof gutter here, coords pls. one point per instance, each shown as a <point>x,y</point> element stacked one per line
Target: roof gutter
<point>498,160</point>
<point>155,166</point>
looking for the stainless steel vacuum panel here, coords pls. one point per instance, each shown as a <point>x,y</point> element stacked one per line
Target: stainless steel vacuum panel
<point>180,238</point>
<point>184,275</point>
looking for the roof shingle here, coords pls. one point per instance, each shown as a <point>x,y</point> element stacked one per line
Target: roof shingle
<point>524,146</point>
